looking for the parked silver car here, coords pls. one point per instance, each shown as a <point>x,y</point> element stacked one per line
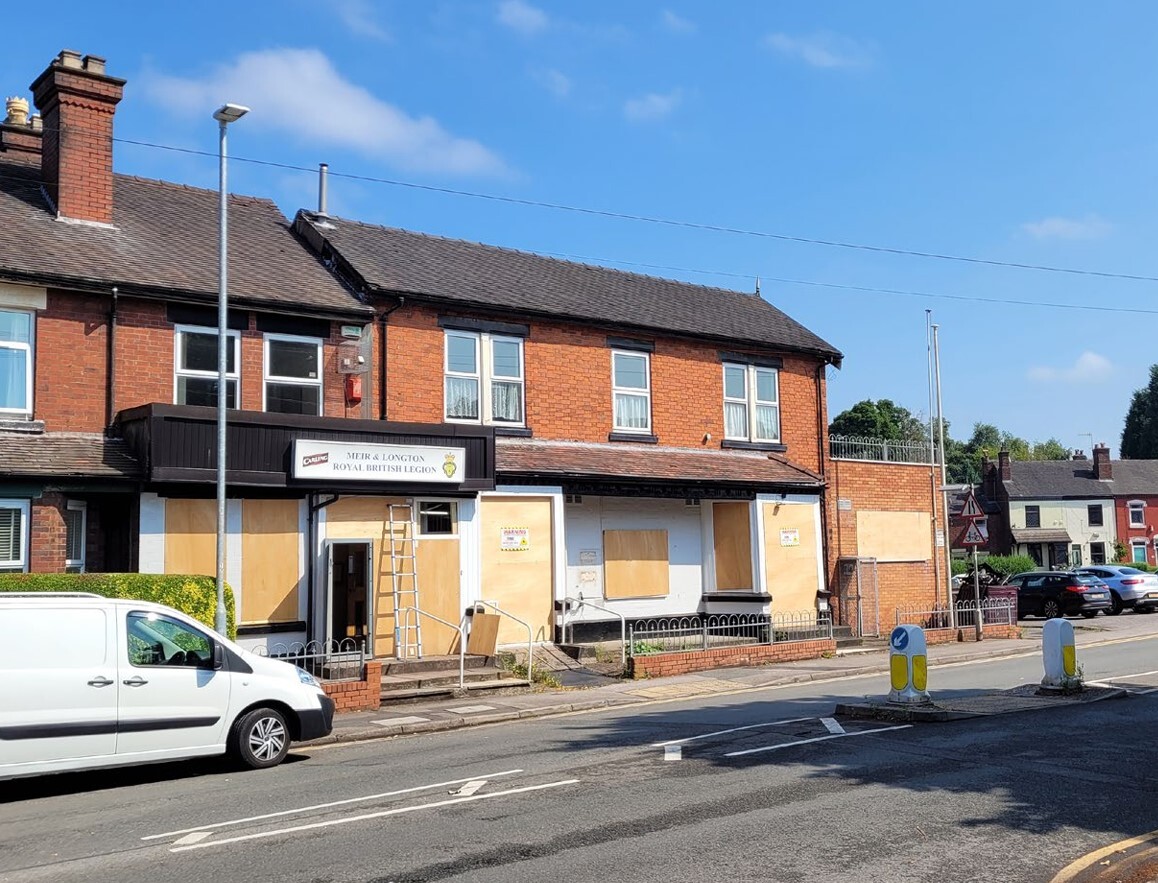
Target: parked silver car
<point>1129,587</point>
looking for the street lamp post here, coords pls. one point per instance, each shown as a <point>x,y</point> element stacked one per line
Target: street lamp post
<point>226,114</point>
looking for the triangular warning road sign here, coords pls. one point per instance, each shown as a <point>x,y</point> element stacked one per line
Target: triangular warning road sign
<point>971,508</point>
<point>976,535</point>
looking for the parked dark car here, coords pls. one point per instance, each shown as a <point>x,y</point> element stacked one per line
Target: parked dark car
<point>1129,587</point>
<point>1053,593</point>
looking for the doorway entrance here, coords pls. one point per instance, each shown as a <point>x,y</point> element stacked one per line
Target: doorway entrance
<point>349,570</point>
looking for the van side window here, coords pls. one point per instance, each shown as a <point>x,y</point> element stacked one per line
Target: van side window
<point>158,640</point>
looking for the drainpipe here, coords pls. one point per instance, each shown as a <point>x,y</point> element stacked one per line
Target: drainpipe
<point>111,373</point>
<point>382,354</point>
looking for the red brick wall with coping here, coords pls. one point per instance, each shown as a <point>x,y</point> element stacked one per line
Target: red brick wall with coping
<point>361,695</point>
<point>662,665</point>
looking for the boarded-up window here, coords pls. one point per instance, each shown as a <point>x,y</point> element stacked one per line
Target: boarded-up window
<point>732,538</point>
<point>635,563</point>
<point>894,536</point>
<point>270,561</point>
<point>191,537</point>
<point>792,555</point>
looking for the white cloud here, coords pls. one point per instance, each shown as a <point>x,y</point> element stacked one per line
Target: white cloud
<point>1089,227</point>
<point>652,106</point>
<point>555,82</point>
<point>361,18</point>
<point>822,50</point>
<point>300,93</point>
<point>1088,368</point>
<point>520,16</point>
<point>677,24</point>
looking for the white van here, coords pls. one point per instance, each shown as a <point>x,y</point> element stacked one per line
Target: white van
<point>95,682</point>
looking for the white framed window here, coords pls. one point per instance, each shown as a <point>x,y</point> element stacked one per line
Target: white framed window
<point>16,337</point>
<point>1138,552</point>
<point>437,518</point>
<point>751,403</point>
<point>195,366</point>
<point>14,536</point>
<point>1137,513</point>
<point>484,380</point>
<point>292,374</point>
<point>75,529</point>
<point>631,391</point>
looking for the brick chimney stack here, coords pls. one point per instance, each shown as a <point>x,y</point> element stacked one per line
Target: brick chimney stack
<point>20,136</point>
<point>1080,455</point>
<point>1005,471</point>
<point>77,100</point>
<point>1103,471</point>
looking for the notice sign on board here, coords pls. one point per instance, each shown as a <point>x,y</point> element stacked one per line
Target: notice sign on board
<point>356,461</point>
<point>514,539</point>
<point>790,537</point>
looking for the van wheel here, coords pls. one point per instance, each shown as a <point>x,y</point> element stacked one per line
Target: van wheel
<point>260,738</point>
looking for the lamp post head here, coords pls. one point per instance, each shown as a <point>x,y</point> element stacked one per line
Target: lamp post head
<point>230,113</point>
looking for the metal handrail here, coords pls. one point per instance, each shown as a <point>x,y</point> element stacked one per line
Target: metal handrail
<point>585,603</point>
<point>530,632</point>
<point>460,628</point>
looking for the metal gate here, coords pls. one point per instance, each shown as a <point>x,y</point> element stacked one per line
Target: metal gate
<point>858,598</point>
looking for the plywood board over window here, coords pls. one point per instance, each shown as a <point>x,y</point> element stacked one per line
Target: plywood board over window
<point>270,561</point>
<point>792,553</point>
<point>732,539</point>
<point>519,579</point>
<point>894,536</point>
<point>635,564</point>
<point>191,537</point>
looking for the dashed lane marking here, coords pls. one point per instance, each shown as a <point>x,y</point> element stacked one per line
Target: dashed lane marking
<point>831,725</point>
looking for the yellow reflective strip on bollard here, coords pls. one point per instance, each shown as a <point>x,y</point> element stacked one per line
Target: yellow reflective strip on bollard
<point>1069,660</point>
<point>920,673</point>
<point>899,668</point>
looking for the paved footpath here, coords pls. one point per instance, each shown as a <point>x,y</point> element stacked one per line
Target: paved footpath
<point>478,709</point>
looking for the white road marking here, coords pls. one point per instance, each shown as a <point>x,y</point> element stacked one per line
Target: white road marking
<point>816,739</point>
<point>469,788</point>
<point>195,837</point>
<point>831,725</point>
<point>795,720</point>
<point>330,805</point>
<point>1115,686</point>
<point>373,815</point>
<point>673,752</point>
<point>471,709</point>
<point>393,721</point>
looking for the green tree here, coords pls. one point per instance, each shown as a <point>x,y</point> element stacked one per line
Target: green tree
<point>1050,449</point>
<point>1140,435</point>
<point>879,419</point>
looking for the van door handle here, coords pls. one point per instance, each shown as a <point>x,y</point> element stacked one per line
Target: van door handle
<point>138,681</point>
<point>99,681</point>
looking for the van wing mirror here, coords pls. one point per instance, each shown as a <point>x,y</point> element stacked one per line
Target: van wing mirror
<point>218,657</point>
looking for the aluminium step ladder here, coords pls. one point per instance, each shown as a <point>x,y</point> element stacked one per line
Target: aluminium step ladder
<point>404,573</point>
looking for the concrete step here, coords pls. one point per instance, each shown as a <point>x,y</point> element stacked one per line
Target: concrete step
<point>397,695</point>
<point>443,678</point>
<point>433,664</point>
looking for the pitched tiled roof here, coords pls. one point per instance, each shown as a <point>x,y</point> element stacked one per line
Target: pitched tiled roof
<point>1056,478</point>
<point>1135,477</point>
<point>66,454</point>
<point>453,270</point>
<point>647,463</point>
<point>164,238</point>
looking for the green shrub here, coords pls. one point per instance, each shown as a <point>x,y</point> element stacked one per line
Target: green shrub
<point>958,566</point>
<point>1007,565</point>
<point>195,596</point>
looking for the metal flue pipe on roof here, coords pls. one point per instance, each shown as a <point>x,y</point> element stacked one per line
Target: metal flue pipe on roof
<point>323,187</point>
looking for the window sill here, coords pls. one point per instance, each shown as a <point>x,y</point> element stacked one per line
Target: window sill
<point>744,597</point>
<point>514,431</point>
<point>270,627</point>
<point>637,437</point>
<point>773,447</point>
<point>16,424</point>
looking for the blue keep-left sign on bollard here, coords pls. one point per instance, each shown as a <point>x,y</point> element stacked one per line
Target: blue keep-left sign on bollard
<point>899,639</point>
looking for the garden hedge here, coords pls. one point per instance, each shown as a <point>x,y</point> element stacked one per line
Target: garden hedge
<point>195,596</point>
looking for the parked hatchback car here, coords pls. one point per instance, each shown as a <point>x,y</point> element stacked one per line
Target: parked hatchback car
<point>1129,587</point>
<point>1053,593</point>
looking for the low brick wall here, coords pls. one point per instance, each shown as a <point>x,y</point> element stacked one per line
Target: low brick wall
<point>969,633</point>
<point>363,695</point>
<point>662,665</point>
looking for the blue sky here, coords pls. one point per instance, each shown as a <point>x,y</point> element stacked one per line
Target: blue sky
<point>1023,133</point>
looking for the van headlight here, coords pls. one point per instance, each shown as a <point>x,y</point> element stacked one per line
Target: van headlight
<point>308,679</point>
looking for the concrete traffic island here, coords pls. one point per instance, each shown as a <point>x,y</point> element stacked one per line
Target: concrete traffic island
<point>1028,697</point>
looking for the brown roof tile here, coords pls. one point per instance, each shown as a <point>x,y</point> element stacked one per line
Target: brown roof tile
<point>646,463</point>
<point>401,261</point>
<point>164,239</point>
<point>66,454</point>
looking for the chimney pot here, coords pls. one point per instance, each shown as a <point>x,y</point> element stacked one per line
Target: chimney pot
<point>36,122</point>
<point>17,111</point>
<point>94,64</point>
<point>70,58</point>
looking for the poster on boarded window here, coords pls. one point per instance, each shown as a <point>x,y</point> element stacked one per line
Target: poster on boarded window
<point>790,537</point>
<point>514,539</point>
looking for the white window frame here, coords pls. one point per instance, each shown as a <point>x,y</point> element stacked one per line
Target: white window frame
<point>1135,545</point>
<point>25,508</point>
<point>76,565</point>
<point>483,375</point>
<point>751,402</point>
<point>1137,507</point>
<point>30,357</point>
<point>179,372</point>
<point>420,533</point>
<point>617,391</point>
<point>267,378</point>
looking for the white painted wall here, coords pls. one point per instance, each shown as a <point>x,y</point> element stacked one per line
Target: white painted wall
<point>1073,517</point>
<point>585,523</point>
<point>151,542</point>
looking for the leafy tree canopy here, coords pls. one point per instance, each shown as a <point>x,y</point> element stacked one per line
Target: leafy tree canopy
<point>879,419</point>
<point>1140,435</point>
